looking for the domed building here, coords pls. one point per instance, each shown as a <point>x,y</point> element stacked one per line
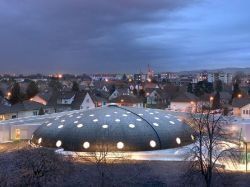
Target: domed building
<point>114,128</point>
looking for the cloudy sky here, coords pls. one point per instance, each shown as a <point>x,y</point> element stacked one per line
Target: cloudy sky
<point>77,36</point>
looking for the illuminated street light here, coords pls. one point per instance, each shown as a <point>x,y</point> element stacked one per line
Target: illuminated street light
<point>239,95</point>
<point>9,94</point>
<point>211,98</point>
<point>60,76</point>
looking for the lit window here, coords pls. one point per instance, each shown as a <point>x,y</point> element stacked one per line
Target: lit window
<point>75,122</point>
<point>138,119</point>
<point>156,124</point>
<point>179,120</point>
<point>117,120</point>
<point>120,145</point>
<point>91,115</point>
<point>172,122</point>
<point>105,126</point>
<point>58,143</point>
<point>60,126</point>
<point>62,120</point>
<point>128,112</point>
<point>107,115</point>
<point>18,134</point>
<point>80,125</point>
<point>151,113</point>
<point>131,126</point>
<point>152,143</point>
<point>115,112</point>
<point>95,120</point>
<point>140,114</point>
<point>178,140</point>
<point>78,117</point>
<point>39,140</point>
<point>86,145</point>
<point>156,118</point>
<point>125,115</point>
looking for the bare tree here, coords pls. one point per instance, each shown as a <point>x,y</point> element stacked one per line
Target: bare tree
<point>214,147</point>
<point>39,167</point>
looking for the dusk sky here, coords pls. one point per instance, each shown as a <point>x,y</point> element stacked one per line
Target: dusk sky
<point>86,36</point>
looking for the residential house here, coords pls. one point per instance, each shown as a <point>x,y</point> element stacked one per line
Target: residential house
<point>157,97</point>
<point>42,97</point>
<point>77,100</point>
<point>23,109</point>
<point>184,102</point>
<point>241,107</point>
<point>119,92</point>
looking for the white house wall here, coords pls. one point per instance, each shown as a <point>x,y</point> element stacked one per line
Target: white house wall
<point>181,106</point>
<point>245,114</point>
<point>23,114</point>
<point>87,103</point>
<point>4,133</point>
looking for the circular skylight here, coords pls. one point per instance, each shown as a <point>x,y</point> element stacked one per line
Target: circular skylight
<point>178,140</point>
<point>105,126</point>
<point>131,126</point>
<point>152,143</point>
<point>60,126</point>
<point>80,125</point>
<point>120,145</point>
<point>86,145</point>
<point>58,143</point>
<point>39,140</point>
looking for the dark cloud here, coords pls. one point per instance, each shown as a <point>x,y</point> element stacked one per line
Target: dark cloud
<point>107,36</point>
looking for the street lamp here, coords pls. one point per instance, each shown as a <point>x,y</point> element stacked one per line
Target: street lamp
<point>60,76</point>
<point>239,95</point>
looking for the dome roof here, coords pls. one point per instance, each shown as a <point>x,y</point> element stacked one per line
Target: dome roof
<point>115,128</point>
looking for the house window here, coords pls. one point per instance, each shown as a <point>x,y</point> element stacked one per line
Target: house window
<point>35,113</point>
<point>244,112</point>
<point>13,116</point>
<point>17,134</point>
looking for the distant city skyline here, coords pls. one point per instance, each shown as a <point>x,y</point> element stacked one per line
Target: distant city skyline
<point>118,36</point>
